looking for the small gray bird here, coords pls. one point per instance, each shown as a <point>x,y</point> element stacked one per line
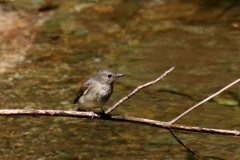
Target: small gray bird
<point>96,91</point>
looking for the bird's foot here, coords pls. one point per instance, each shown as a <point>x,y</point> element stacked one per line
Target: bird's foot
<point>103,112</point>
<point>92,114</point>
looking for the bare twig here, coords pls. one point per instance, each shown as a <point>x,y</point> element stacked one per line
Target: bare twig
<point>150,122</point>
<point>203,101</point>
<point>185,146</point>
<point>155,123</point>
<point>137,89</point>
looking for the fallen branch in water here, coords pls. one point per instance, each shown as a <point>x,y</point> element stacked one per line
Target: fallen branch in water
<point>166,125</point>
<point>150,122</point>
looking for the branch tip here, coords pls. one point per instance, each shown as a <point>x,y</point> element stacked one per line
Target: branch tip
<point>137,89</point>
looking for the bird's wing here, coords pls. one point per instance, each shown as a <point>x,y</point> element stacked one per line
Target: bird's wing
<point>83,90</point>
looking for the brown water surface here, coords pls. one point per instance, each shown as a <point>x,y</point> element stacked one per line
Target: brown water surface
<point>56,46</point>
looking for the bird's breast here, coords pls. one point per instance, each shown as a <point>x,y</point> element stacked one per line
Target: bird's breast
<point>104,90</point>
<point>97,96</point>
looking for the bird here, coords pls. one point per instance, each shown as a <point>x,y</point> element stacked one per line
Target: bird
<point>96,91</point>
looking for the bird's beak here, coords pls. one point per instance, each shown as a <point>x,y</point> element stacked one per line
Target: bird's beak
<point>120,75</point>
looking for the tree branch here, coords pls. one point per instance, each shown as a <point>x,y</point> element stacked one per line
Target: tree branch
<point>155,123</point>
<point>205,100</point>
<point>185,146</point>
<point>137,89</point>
<point>150,122</point>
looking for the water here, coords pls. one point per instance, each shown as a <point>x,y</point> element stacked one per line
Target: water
<point>141,42</point>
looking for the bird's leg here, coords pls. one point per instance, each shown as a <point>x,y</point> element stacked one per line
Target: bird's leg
<point>92,113</point>
<point>103,112</point>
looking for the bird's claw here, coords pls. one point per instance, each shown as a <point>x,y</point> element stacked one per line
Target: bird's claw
<point>92,114</point>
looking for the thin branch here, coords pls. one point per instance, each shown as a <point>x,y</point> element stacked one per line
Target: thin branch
<point>150,122</point>
<point>137,89</point>
<point>185,146</point>
<point>154,123</point>
<point>203,101</point>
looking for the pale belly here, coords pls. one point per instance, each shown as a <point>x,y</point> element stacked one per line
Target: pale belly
<point>96,97</point>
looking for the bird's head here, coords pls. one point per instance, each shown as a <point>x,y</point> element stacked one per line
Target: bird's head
<point>107,76</point>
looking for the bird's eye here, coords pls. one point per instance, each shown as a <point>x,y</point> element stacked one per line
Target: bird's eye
<point>109,76</point>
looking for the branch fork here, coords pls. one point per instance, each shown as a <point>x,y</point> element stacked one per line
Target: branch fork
<point>167,125</point>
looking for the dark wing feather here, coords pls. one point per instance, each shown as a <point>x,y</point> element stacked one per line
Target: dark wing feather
<point>82,89</point>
